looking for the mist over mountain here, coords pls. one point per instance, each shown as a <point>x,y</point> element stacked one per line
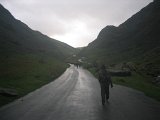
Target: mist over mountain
<point>136,40</point>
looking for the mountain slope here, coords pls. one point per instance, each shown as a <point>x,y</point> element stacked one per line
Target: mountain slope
<point>17,36</point>
<point>136,40</point>
<point>28,59</point>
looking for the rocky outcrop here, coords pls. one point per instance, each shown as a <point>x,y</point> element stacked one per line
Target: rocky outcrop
<point>120,73</point>
<point>8,92</point>
<point>157,80</point>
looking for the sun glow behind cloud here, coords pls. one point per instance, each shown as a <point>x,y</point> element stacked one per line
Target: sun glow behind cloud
<point>78,31</point>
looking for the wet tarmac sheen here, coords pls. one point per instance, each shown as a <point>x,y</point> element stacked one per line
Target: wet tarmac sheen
<point>76,96</point>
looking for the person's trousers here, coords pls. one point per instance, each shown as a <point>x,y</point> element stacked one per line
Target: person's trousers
<point>104,93</point>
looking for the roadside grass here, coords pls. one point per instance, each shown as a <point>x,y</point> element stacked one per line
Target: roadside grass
<point>27,73</point>
<point>138,82</point>
<point>141,83</point>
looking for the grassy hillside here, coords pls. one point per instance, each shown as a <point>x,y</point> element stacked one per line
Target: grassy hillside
<point>136,40</point>
<point>27,73</point>
<point>28,59</point>
<point>17,38</point>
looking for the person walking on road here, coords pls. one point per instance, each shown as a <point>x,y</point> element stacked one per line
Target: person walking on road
<point>105,81</point>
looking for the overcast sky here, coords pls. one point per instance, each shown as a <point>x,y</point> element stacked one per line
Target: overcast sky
<point>75,22</point>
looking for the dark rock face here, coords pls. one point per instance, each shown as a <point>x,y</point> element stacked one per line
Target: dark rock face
<point>157,80</point>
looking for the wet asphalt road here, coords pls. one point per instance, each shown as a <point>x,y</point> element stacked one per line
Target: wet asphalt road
<point>76,96</point>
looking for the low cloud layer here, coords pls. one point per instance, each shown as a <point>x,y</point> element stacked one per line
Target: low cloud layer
<point>75,22</point>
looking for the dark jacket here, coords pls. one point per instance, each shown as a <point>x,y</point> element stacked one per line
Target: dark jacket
<point>105,78</point>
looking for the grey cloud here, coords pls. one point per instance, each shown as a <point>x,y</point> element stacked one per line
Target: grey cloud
<point>56,17</point>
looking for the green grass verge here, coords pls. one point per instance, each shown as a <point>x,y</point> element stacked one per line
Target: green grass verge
<point>140,83</point>
<point>136,81</point>
<point>25,73</point>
